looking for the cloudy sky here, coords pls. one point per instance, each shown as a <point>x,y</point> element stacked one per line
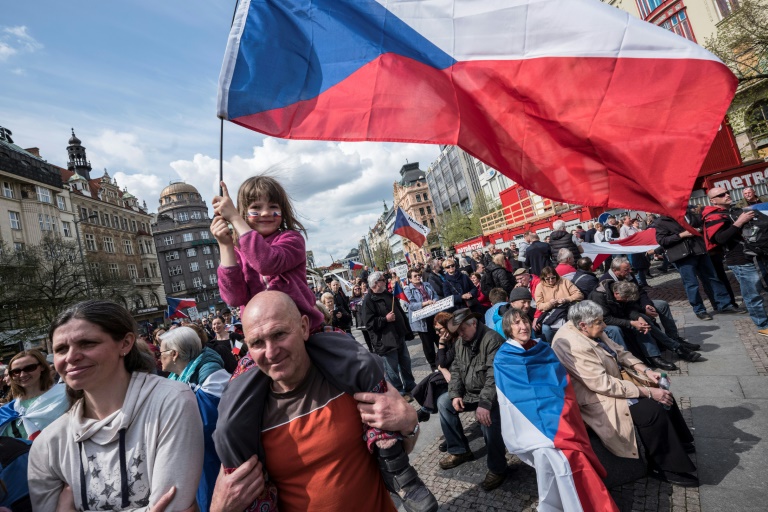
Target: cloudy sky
<point>138,81</point>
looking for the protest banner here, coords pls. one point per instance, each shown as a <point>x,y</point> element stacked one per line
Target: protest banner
<point>433,309</point>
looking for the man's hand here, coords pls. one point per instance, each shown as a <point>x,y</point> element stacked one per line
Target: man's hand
<point>466,296</point>
<point>223,205</point>
<point>458,404</point>
<point>641,325</point>
<point>66,500</point>
<point>387,411</point>
<point>651,311</point>
<point>235,491</point>
<point>391,316</point>
<point>221,232</point>
<point>483,416</point>
<point>535,325</point>
<point>746,216</point>
<point>685,234</point>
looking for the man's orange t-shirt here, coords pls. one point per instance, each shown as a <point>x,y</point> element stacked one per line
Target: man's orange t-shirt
<point>316,455</point>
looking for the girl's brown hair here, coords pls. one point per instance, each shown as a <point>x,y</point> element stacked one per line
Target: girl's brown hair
<point>46,380</point>
<point>267,188</point>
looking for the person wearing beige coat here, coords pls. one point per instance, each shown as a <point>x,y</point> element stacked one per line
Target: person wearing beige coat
<point>613,407</point>
<point>553,297</point>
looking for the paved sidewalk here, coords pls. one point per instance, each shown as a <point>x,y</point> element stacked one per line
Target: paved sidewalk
<point>724,398</point>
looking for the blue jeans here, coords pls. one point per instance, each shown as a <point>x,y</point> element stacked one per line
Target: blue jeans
<point>749,281</point>
<point>456,440</point>
<point>692,268</point>
<point>665,317</point>
<point>398,363</point>
<point>647,345</point>
<point>547,334</point>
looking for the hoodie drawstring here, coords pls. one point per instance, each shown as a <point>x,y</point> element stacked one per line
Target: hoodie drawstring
<point>125,501</point>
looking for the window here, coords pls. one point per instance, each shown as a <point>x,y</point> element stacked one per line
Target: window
<point>114,270</point>
<point>84,214</point>
<point>66,227</point>
<point>124,224</point>
<point>197,215</point>
<point>95,270</point>
<point>133,225</point>
<point>7,190</point>
<point>197,282</point>
<point>194,266</point>
<point>61,203</point>
<point>178,286</point>
<point>155,273</point>
<point>678,23</point>
<point>90,242</point>
<point>418,198</point>
<point>105,220</point>
<point>171,255</point>
<point>727,7</point>
<point>182,216</point>
<point>421,211</point>
<point>209,264</point>
<point>174,270</point>
<point>115,222</point>
<point>187,237</point>
<point>128,247</point>
<point>109,244</point>
<point>205,235</point>
<point>169,240</point>
<point>191,252</point>
<point>45,222</point>
<point>213,279</point>
<point>429,210</point>
<point>133,272</point>
<point>18,247</point>
<point>148,246</point>
<point>43,194</point>
<point>757,124</point>
<point>15,220</point>
<point>426,197</point>
<point>206,249</point>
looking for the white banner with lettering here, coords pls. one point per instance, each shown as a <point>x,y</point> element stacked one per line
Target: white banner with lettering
<point>433,309</point>
<point>401,271</point>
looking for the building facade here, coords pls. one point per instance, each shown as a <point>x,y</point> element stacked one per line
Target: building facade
<point>699,21</point>
<point>413,196</point>
<point>187,251</point>
<point>453,180</point>
<point>115,237</point>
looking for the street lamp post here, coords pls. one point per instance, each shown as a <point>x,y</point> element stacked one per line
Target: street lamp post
<point>80,246</point>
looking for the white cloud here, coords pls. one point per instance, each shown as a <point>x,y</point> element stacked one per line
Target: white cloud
<point>6,51</point>
<point>18,71</point>
<point>112,149</point>
<point>146,187</point>
<point>337,188</point>
<point>22,38</point>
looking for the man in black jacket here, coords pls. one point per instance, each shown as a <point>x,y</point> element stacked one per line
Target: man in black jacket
<point>538,255</point>
<point>584,279</point>
<point>559,238</point>
<point>433,275</point>
<point>689,254</point>
<point>388,327</point>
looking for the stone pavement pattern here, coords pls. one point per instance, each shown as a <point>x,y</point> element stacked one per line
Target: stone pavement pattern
<point>724,399</point>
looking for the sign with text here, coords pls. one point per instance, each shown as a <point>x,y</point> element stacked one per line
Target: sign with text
<point>401,271</point>
<point>193,314</point>
<point>433,309</point>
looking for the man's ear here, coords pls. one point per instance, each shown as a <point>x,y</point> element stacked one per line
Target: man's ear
<point>305,327</point>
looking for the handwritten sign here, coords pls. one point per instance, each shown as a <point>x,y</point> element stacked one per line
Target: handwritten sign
<point>401,271</point>
<point>433,309</point>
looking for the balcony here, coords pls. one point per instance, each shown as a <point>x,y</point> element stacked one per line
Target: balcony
<point>205,241</point>
<point>146,281</point>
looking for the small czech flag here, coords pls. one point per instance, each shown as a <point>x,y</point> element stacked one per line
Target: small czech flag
<point>398,292</point>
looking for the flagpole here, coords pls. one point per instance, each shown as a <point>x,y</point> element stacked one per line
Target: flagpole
<point>221,127</point>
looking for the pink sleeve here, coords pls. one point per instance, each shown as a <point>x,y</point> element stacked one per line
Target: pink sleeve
<point>233,284</point>
<point>287,251</point>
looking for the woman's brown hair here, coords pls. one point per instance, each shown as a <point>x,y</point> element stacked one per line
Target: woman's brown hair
<point>549,271</point>
<point>442,319</point>
<point>46,380</point>
<point>267,188</point>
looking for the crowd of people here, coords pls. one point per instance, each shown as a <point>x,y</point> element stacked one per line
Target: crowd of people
<point>275,405</point>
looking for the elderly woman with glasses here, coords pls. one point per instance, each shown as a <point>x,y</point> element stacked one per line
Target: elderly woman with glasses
<point>38,402</point>
<point>421,295</point>
<point>553,296</point>
<point>613,407</point>
<point>186,359</point>
<point>458,285</point>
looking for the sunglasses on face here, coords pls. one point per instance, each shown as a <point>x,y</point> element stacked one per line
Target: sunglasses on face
<point>449,266</point>
<point>718,196</point>
<point>550,278</point>
<point>28,369</point>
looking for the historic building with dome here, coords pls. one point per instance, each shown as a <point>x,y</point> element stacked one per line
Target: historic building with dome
<point>115,237</point>
<point>187,252</point>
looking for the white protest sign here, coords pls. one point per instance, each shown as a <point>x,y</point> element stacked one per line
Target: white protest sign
<point>193,314</point>
<point>401,271</point>
<point>433,309</point>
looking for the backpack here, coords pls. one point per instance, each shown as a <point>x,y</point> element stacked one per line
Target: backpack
<point>486,282</point>
<point>754,234</point>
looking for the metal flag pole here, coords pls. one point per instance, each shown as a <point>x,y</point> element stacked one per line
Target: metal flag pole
<point>221,119</point>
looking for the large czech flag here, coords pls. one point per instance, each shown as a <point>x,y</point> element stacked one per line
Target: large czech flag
<point>638,243</point>
<point>575,100</point>
<point>407,227</point>
<point>542,425</point>
<point>176,307</point>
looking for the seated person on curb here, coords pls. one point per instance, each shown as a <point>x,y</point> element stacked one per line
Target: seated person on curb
<point>613,407</point>
<point>537,405</point>
<point>584,279</point>
<point>499,305</point>
<point>621,307</point>
<point>473,388</point>
<point>621,270</point>
<point>435,384</point>
<point>553,298</point>
<point>308,409</point>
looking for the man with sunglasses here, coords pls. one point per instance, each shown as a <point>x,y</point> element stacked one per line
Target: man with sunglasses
<point>722,226</point>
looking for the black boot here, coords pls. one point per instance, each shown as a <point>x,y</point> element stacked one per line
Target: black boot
<point>401,478</point>
<point>688,355</point>
<point>422,415</point>
<point>658,362</point>
<point>690,346</point>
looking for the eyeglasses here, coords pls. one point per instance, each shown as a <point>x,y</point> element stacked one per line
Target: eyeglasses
<point>164,351</point>
<point>28,369</point>
<point>718,196</point>
<point>550,278</point>
<point>449,266</point>
<point>382,280</point>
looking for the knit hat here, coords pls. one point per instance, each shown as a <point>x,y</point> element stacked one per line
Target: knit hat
<point>520,293</point>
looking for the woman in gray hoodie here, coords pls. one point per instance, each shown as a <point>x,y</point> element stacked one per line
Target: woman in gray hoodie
<point>130,437</point>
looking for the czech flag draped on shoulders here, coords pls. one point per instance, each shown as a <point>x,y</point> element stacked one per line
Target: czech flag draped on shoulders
<point>542,425</point>
<point>574,100</point>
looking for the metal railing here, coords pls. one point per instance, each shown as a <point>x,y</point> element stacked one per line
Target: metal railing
<point>525,211</point>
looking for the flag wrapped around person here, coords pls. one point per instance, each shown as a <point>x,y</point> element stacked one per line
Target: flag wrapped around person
<point>542,425</point>
<point>572,99</point>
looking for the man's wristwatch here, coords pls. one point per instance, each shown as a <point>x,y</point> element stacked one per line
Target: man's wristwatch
<point>415,432</point>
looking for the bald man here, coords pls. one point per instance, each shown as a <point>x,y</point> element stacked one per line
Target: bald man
<point>302,420</point>
<point>723,225</point>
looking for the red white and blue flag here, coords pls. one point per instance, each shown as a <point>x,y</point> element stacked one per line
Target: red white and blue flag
<point>355,265</point>
<point>398,292</point>
<point>572,99</point>
<point>542,425</point>
<point>176,307</point>
<point>407,227</point>
<point>759,207</point>
<point>638,243</point>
